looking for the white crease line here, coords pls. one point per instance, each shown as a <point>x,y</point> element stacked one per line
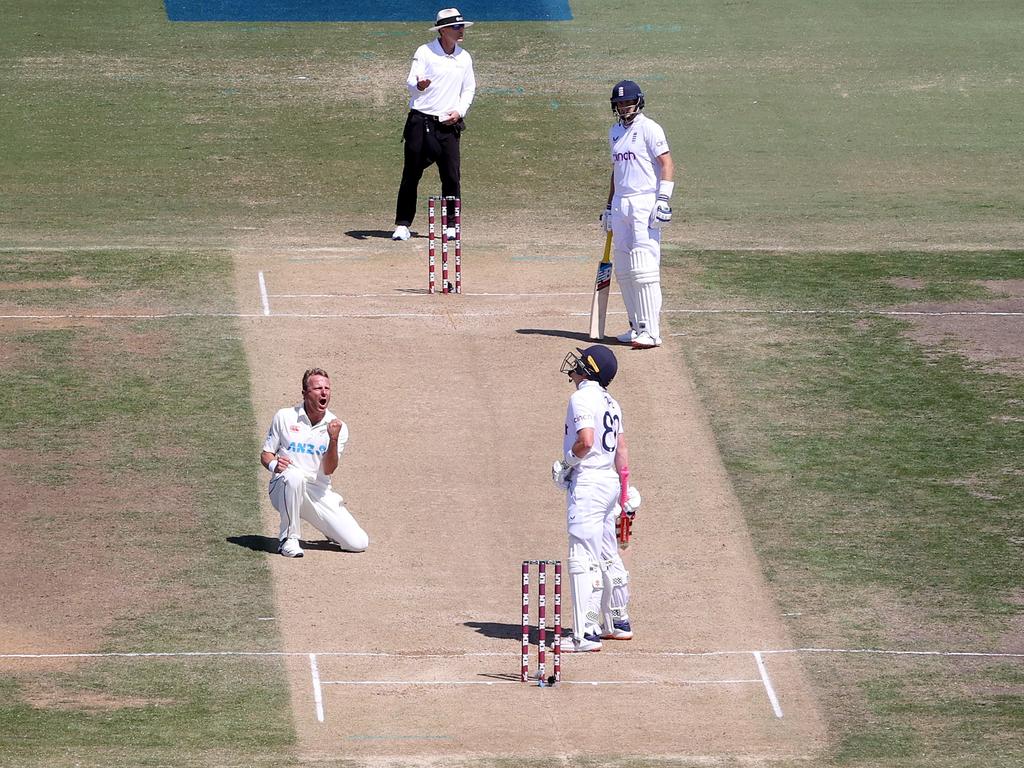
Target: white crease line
<point>768,685</point>
<point>792,250</point>
<point>882,312</point>
<point>318,698</point>
<point>469,654</point>
<point>423,295</point>
<point>414,683</point>
<point>321,249</point>
<point>263,295</point>
<point>94,248</point>
<point>977,654</point>
<point>445,314</point>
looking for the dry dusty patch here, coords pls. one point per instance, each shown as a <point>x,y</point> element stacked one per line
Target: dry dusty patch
<point>75,282</point>
<point>85,569</point>
<point>976,329</point>
<point>44,694</point>
<point>82,531</point>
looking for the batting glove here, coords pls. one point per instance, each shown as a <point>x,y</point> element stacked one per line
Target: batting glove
<point>606,219</point>
<point>662,213</point>
<point>633,501</point>
<point>561,474</point>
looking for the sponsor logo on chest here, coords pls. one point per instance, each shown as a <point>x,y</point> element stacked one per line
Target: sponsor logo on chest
<point>311,449</point>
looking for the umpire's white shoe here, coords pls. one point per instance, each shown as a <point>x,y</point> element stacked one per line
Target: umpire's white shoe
<point>290,548</point>
<point>450,233</point>
<point>627,337</point>
<point>644,340</point>
<point>401,233</point>
<point>585,644</point>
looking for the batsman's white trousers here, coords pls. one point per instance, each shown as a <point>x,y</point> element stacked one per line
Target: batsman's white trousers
<point>631,218</point>
<point>590,517</point>
<point>295,497</point>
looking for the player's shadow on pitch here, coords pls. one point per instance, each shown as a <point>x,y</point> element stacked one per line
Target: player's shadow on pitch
<point>561,333</point>
<point>270,544</point>
<point>366,234</point>
<point>508,631</point>
<point>255,543</point>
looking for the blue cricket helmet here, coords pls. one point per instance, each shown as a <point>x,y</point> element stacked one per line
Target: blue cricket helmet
<point>627,91</point>
<point>600,364</point>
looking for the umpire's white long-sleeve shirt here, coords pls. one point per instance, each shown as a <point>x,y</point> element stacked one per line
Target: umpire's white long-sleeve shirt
<point>452,82</point>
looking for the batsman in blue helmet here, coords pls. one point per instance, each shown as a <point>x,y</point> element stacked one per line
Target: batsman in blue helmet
<point>594,472</point>
<point>639,205</point>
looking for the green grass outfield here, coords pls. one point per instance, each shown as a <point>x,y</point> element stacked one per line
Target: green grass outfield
<point>869,140</point>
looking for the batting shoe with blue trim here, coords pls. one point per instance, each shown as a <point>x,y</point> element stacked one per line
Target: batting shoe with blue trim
<point>621,630</point>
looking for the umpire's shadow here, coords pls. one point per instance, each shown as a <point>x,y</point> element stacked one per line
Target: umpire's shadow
<point>366,234</point>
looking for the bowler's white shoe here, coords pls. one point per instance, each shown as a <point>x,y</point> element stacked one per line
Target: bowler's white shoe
<point>644,340</point>
<point>450,233</point>
<point>401,233</point>
<point>627,337</point>
<point>585,644</point>
<point>291,548</point>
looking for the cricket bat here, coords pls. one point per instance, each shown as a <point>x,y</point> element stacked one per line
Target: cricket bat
<point>623,529</point>
<point>602,287</point>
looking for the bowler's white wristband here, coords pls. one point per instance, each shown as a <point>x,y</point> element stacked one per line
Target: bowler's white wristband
<point>571,458</point>
<point>665,189</point>
<point>272,466</point>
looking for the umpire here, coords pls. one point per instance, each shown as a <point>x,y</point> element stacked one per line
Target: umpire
<point>441,88</point>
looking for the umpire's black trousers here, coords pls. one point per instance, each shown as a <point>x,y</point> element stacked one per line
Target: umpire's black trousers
<point>428,141</point>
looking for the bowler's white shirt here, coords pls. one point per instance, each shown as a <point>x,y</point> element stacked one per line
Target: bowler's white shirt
<point>592,407</point>
<point>452,82</point>
<point>305,444</point>
<point>634,149</point>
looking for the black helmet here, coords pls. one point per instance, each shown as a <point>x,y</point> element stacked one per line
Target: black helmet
<point>596,363</point>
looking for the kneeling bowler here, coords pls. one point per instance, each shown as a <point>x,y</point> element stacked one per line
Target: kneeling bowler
<point>301,452</point>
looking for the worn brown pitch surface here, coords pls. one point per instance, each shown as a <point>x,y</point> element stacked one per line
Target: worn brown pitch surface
<point>455,405</point>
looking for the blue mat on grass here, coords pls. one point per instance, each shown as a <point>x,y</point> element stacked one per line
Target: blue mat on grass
<point>365,10</point>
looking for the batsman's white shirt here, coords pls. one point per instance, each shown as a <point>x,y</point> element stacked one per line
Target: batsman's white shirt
<point>291,434</point>
<point>592,407</point>
<point>634,151</point>
<point>594,484</point>
<point>452,82</point>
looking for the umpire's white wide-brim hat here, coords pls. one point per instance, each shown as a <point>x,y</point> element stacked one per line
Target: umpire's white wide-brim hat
<point>448,17</point>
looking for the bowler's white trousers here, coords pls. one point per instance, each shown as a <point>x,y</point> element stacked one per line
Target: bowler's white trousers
<point>294,496</point>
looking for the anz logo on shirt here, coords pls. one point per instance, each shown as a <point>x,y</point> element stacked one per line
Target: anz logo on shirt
<point>310,448</point>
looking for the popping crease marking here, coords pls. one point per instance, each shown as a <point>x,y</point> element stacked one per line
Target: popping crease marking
<point>491,313</point>
<point>466,654</point>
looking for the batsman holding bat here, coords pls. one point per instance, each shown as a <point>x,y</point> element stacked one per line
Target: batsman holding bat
<point>639,205</point>
<point>594,472</point>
